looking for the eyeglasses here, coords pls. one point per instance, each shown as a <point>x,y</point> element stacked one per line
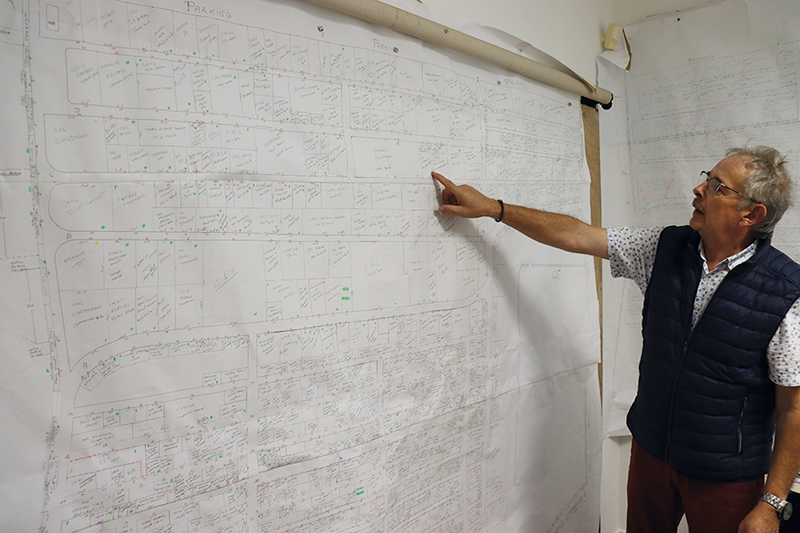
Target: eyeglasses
<point>714,185</point>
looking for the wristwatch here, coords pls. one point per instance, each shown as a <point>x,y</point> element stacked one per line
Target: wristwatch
<point>782,507</point>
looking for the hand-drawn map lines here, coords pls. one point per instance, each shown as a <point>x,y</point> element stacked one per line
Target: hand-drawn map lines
<point>174,33</point>
<point>706,96</point>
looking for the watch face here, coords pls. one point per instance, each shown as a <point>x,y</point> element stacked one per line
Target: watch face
<point>787,512</point>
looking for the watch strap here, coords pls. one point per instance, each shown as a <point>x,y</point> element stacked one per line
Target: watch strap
<point>778,503</point>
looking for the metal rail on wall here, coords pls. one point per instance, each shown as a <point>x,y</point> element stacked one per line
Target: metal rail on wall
<point>431,32</point>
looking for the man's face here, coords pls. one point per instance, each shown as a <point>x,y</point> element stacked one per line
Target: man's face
<point>717,217</point>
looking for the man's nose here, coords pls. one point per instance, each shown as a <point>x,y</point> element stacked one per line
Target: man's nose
<point>701,189</point>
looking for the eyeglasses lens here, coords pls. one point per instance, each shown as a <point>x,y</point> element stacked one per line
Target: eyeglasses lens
<point>713,186</point>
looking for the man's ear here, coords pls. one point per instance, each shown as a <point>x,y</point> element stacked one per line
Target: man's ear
<point>753,216</point>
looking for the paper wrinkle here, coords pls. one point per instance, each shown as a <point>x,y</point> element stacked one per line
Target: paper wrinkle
<point>620,56</point>
<point>493,35</point>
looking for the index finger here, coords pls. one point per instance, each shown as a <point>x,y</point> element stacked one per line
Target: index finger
<point>444,181</point>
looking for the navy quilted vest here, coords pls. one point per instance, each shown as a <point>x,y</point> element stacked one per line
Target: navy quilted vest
<point>705,403</point>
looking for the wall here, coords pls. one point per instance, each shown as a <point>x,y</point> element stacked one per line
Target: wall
<point>201,354</point>
<point>569,30</point>
<point>626,12</point>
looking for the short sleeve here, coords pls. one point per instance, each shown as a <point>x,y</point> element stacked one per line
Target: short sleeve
<point>783,352</point>
<point>632,252</point>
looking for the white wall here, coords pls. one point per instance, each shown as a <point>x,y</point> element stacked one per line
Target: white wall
<point>569,30</point>
<point>626,12</point>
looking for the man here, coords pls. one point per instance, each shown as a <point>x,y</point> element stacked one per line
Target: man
<point>720,366</point>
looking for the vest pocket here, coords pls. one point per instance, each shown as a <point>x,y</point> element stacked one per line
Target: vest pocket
<point>739,424</point>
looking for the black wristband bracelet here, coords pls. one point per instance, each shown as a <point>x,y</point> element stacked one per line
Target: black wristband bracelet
<point>502,211</point>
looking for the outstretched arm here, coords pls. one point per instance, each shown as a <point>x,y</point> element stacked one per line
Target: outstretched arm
<point>561,231</point>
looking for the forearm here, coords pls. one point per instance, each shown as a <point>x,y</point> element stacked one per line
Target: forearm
<point>558,230</point>
<point>785,454</point>
<point>561,231</point>
<point>784,463</point>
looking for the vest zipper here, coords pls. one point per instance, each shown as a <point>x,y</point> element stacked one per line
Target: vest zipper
<point>739,425</point>
<point>674,393</point>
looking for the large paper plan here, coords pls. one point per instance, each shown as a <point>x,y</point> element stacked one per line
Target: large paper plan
<point>231,306</point>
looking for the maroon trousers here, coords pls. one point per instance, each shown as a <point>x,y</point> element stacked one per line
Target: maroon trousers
<point>658,497</point>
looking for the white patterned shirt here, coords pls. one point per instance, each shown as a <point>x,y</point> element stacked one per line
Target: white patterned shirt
<point>632,252</point>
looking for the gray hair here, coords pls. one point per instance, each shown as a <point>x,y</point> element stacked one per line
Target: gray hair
<point>768,184</point>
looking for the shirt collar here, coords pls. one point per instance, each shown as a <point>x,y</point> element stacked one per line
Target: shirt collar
<point>731,262</point>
